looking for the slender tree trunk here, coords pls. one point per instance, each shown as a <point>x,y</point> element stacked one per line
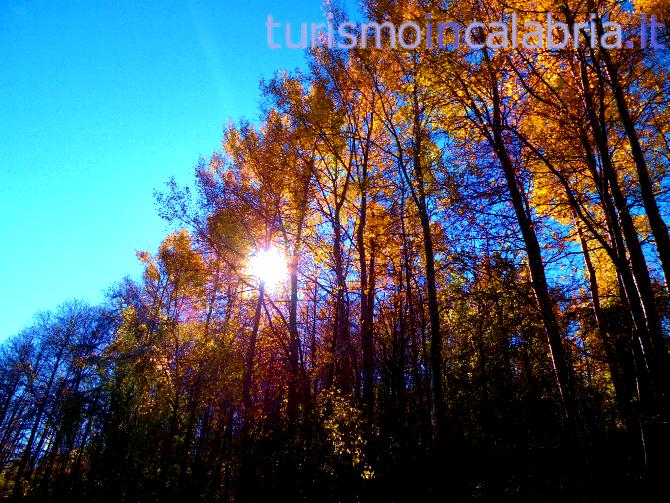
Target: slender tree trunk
<point>621,390</point>
<point>367,302</point>
<point>341,343</point>
<point>650,335</point>
<point>247,380</point>
<point>27,452</point>
<point>298,387</point>
<point>438,405</point>
<point>658,226</point>
<point>562,372</point>
<point>294,342</point>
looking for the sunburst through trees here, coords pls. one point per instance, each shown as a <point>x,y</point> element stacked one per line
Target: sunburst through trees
<point>422,275</point>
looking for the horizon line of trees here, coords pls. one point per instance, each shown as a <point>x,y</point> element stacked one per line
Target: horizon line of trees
<point>476,306</point>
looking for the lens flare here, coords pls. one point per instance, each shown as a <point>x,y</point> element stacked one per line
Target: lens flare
<point>269,266</point>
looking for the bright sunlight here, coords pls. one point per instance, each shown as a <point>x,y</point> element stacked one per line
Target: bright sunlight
<point>269,266</point>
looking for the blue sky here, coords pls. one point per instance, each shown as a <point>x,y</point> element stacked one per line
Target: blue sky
<point>100,103</point>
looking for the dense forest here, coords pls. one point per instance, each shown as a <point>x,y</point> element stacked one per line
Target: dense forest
<point>462,296</point>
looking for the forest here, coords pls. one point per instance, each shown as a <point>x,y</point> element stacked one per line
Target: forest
<point>420,275</point>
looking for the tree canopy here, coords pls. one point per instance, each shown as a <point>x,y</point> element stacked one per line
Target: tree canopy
<point>474,305</point>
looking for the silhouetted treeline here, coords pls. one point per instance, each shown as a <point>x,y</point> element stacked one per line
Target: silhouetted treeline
<point>475,306</point>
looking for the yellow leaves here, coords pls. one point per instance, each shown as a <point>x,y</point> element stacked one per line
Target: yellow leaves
<point>150,269</point>
<point>642,226</point>
<point>179,261</point>
<point>549,199</point>
<point>660,8</point>
<point>344,428</point>
<point>606,274</point>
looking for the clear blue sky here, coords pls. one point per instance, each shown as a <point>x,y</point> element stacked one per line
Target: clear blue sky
<point>100,103</point>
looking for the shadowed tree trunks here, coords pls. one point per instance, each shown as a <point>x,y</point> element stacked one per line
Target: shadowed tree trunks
<point>247,379</point>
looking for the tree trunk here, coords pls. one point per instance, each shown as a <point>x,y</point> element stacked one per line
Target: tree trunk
<point>247,380</point>
<point>562,372</point>
<point>658,226</point>
<point>437,392</point>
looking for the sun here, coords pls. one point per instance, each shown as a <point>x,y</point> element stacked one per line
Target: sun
<point>269,266</point>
